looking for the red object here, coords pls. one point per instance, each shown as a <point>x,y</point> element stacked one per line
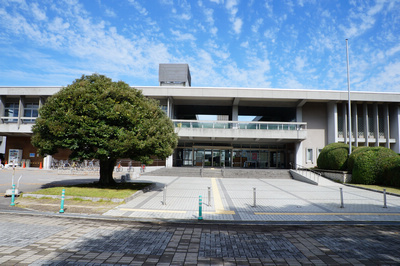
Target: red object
<point>40,166</point>
<point>23,165</point>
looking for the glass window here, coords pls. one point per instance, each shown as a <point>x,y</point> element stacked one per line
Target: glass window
<point>31,110</point>
<point>11,110</point>
<point>310,155</point>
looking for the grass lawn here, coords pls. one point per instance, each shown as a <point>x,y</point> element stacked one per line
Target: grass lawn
<point>120,191</point>
<point>380,188</point>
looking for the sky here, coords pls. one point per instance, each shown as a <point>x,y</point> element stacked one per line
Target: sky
<point>227,43</point>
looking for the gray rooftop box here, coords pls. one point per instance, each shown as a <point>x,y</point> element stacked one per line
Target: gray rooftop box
<point>174,75</point>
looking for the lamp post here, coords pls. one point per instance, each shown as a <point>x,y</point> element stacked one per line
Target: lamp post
<point>348,94</point>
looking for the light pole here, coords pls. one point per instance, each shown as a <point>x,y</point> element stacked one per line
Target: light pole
<point>348,89</point>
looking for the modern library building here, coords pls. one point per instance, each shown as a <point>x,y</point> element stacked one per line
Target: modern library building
<point>230,127</point>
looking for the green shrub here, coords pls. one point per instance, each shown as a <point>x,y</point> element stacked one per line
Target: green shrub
<point>334,156</point>
<point>391,171</point>
<point>368,165</point>
<point>355,154</point>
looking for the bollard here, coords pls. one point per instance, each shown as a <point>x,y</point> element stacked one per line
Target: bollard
<point>341,198</point>
<point>200,209</point>
<point>201,172</point>
<point>62,201</point>
<point>165,195</point>
<point>13,196</point>
<point>384,198</point>
<point>209,196</point>
<point>254,197</point>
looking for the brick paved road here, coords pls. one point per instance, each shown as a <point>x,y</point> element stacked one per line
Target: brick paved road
<point>55,240</point>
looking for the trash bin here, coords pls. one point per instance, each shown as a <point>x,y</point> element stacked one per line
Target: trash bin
<point>123,179</point>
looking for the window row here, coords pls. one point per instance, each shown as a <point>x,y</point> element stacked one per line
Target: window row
<point>12,109</point>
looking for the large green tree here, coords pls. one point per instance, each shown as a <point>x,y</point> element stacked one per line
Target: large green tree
<point>97,118</point>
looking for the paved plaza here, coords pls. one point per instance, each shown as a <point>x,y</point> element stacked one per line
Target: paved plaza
<point>245,221</point>
<point>257,200</point>
<point>58,240</point>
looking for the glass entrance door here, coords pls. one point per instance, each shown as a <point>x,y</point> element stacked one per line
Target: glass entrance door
<point>273,159</point>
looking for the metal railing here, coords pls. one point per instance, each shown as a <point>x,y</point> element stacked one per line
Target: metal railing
<point>240,125</point>
<point>306,172</point>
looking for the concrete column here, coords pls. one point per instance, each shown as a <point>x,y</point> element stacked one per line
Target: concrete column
<point>169,161</point>
<point>235,113</point>
<point>354,121</point>
<point>345,130</point>
<point>299,154</point>
<point>332,123</point>
<point>47,160</point>
<point>386,124</point>
<point>366,126</point>
<point>2,107</point>
<point>395,127</point>
<point>20,109</point>
<point>170,107</point>
<point>376,123</point>
<point>299,114</point>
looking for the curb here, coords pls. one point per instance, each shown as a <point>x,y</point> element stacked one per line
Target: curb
<point>371,189</point>
<point>136,194</point>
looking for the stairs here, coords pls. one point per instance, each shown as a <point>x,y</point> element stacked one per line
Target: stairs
<point>221,172</point>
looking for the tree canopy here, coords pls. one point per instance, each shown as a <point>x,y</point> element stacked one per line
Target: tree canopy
<point>97,118</point>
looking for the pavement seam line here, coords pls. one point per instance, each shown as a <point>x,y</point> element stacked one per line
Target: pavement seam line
<point>143,210</point>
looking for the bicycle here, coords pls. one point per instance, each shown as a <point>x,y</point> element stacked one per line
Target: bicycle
<point>118,168</point>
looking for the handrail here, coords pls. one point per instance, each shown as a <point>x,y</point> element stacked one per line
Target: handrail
<point>240,125</point>
<point>299,167</point>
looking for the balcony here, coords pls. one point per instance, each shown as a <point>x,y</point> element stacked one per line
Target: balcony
<point>240,130</point>
<point>16,125</point>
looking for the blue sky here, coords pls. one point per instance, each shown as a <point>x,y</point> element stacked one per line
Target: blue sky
<point>227,43</point>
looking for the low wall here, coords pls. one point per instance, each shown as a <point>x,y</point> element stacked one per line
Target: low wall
<point>302,178</point>
<point>341,176</point>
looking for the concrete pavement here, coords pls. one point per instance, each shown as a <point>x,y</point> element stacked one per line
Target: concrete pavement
<point>258,200</point>
<point>58,240</point>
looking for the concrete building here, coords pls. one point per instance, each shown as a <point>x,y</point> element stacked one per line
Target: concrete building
<point>234,127</point>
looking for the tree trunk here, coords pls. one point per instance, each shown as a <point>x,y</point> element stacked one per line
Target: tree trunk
<point>106,172</point>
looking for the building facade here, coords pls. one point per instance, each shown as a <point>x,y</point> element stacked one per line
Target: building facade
<point>233,127</point>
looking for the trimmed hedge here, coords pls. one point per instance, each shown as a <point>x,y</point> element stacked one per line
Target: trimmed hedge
<point>334,156</point>
<point>367,165</point>
<point>391,171</point>
<point>355,154</point>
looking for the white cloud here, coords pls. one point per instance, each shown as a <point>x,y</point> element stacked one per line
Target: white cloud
<point>139,7</point>
<point>110,13</point>
<point>300,63</point>
<point>256,26</point>
<point>393,50</point>
<point>38,13</point>
<point>237,25</point>
<point>361,20</point>
<point>182,36</point>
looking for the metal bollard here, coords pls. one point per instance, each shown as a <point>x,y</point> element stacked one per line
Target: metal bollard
<point>201,172</point>
<point>200,209</point>
<point>209,196</point>
<point>13,196</point>
<point>254,197</point>
<point>165,195</point>
<point>384,198</point>
<point>62,201</point>
<point>341,198</point>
